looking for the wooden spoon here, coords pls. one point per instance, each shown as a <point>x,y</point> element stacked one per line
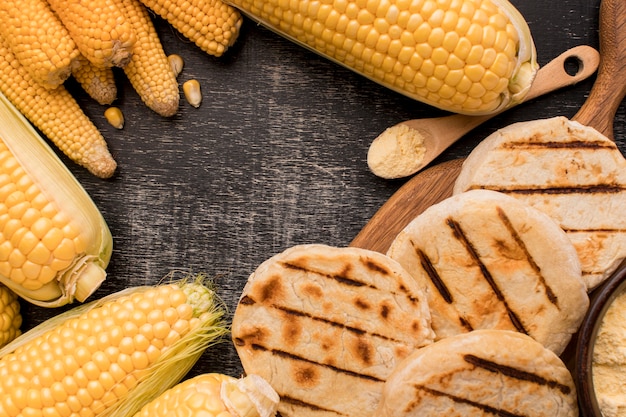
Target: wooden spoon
<point>435,184</point>
<point>422,140</point>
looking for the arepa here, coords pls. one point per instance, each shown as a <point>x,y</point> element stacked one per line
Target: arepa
<point>490,261</point>
<point>325,326</point>
<point>481,373</point>
<point>568,170</point>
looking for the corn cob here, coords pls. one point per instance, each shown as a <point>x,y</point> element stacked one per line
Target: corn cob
<point>465,56</point>
<point>99,28</point>
<point>98,82</point>
<point>54,243</point>
<point>57,115</point>
<point>211,24</point>
<point>110,356</point>
<point>149,71</point>
<point>38,40</point>
<point>215,395</point>
<point>10,316</point>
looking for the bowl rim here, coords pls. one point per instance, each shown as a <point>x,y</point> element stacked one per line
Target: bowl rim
<point>601,299</point>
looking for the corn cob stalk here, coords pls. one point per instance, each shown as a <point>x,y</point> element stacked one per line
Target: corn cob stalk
<point>213,395</point>
<point>38,40</point>
<point>99,28</point>
<point>212,25</point>
<point>110,356</point>
<point>149,71</point>
<point>10,316</point>
<point>57,115</point>
<point>465,56</point>
<point>54,242</point>
<point>98,82</point>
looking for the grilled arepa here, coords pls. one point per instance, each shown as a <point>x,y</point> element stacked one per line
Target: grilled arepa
<point>481,373</point>
<point>490,261</point>
<point>326,326</point>
<point>569,171</point>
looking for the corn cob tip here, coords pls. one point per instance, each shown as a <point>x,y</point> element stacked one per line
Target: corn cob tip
<point>121,55</point>
<point>100,162</point>
<point>251,396</point>
<point>165,108</point>
<point>88,281</point>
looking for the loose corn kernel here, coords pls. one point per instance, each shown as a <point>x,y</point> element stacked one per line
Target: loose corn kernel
<point>57,114</point>
<point>149,70</point>
<point>211,24</point>
<point>412,46</point>
<point>102,33</point>
<point>38,40</point>
<point>215,395</point>
<point>90,362</point>
<point>177,63</point>
<point>98,82</point>
<point>115,117</point>
<point>193,93</point>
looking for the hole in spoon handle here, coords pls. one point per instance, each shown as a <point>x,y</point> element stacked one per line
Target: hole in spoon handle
<point>555,74</point>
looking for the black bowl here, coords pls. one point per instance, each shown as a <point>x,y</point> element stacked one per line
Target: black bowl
<point>600,300</point>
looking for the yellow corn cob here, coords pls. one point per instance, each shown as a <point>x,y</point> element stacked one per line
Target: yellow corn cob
<point>99,28</point>
<point>98,82</point>
<point>464,56</point>
<point>149,71</point>
<point>10,316</point>
<point>215,395</point>
<point>57,115</point>
<point>109,357</point>
<point>211,24</point>
<point>38,39</point>
<point>54,242</point>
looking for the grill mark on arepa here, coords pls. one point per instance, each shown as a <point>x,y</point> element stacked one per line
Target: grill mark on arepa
<point>457,231</point>
<point>293,357</point>
<point>302,404</point>
<point>574,144</point>
<point>515,373</point>
<point>341,278</point>
<point>483,407</point>
<point>332,323</point>
<point>432,273</point>
<point>544,189</point>
<point>344,279</point>
<point>520,243</point>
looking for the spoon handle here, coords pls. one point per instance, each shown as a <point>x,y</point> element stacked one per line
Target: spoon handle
<point>609,88</point>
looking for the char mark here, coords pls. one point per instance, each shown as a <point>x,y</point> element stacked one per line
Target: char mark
<point>339,278</point>
<point>460,235</point>
<point>302,404</point>
<point>433,274</point>
<point>515,373</point>
<point>574,144</point>
<point>483,407</point>
<point>540,189</point>
<point>352,329</point>
<point>349,281</point>
<point>293,357</point>
<point>520,243</point>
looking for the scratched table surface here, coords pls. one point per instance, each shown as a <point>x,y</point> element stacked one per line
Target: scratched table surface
<point>274,157</point>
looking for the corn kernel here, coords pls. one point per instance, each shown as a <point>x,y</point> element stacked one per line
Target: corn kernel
<point>193,93</point>
<point>115,117</point>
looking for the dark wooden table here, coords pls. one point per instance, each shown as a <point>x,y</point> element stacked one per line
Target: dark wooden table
<point>274,157</point>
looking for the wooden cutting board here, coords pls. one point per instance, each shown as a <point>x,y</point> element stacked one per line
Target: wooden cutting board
<point>435,184</point>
